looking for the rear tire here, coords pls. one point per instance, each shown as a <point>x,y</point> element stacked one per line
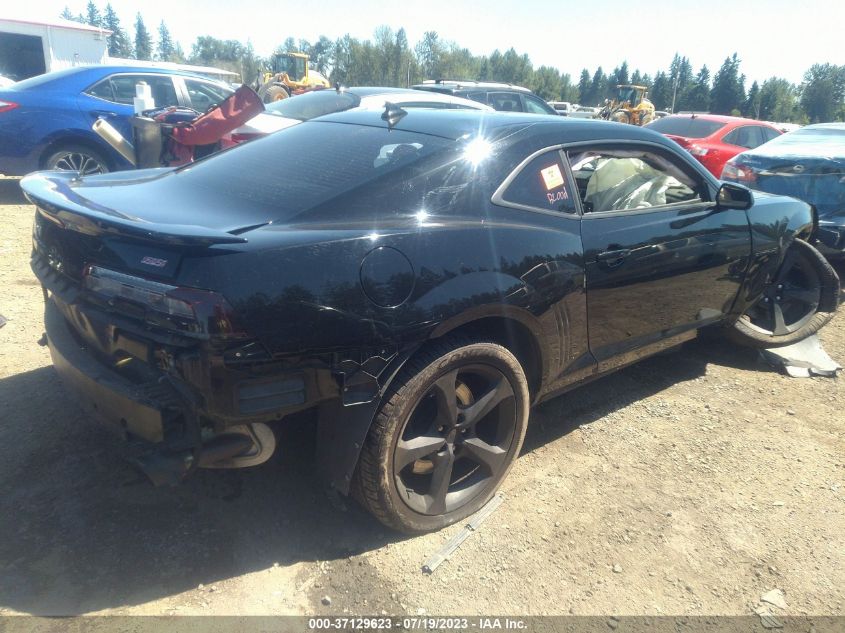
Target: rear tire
<point>78,158</point>
<point>275,93</point>
<point>620,116</point>
<point>446,435</point>
<point>801,298</point>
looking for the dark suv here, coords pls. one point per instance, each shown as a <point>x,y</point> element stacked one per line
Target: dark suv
<point>505,97</point>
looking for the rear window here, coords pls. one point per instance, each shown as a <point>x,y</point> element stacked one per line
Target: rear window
<point>819,134</point>
<point>686,126</point>
<point>38,80</point>
<point>310,106</point>
<point>338,167</point>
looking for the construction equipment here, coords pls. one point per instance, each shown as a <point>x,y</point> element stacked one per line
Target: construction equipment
<point>630,105</point>
<point>290,75</point>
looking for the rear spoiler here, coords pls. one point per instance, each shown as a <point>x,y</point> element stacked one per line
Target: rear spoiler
<point>52,192</point>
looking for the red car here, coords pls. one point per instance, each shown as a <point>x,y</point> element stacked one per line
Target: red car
<point>714,139</point>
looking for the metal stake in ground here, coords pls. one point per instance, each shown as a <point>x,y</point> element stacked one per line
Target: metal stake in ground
<point>455,542</point>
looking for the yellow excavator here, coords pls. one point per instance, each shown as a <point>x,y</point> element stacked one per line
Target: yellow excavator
<point>289,75</point>
<point>629,105</point>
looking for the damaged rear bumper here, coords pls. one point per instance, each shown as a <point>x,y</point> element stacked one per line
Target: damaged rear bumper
<point>102,393</point>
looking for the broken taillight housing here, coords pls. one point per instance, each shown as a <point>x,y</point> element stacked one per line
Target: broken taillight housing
<point>189,311</point>
<point>738,172</point>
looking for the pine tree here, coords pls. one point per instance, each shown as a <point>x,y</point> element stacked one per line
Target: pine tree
<point>728,93</point>
<point>751,107</point>
<point>661,91</point>
<point>584,86</point>
<point>67,15</point>
<point>698,97</point>
<point>143,41</point>
<point>598,87</point>
<point>165,48</point>
<point>92,15</point>
<point>118,42</point>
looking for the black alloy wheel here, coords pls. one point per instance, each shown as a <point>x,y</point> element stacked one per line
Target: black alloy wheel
<point>456,442</point>
<point>800,298</point>
<point>445,437</point>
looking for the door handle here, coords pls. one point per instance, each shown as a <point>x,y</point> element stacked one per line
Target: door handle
<point>613,257</point>
<point>105,113</point>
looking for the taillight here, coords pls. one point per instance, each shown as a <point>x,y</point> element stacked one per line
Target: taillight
<point>5,106</point>
<point>695,150</point>
<point>738,172</point>
<point>189,311</point>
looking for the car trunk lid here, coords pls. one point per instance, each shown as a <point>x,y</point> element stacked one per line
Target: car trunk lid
<point>77,223</point>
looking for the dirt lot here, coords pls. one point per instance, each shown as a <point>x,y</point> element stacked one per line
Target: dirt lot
<point>691,483</point>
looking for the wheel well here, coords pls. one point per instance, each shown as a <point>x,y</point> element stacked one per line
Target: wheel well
<point>73,140</point>
<point>512,335</point>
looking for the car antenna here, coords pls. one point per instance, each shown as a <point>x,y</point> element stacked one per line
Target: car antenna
<point>392,114</point>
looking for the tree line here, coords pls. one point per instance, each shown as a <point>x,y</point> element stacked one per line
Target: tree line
<point>388,59</point>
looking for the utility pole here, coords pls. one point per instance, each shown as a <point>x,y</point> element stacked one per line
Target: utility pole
<point>675,90</point>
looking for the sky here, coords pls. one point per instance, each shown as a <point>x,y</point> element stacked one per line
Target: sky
<point>771,37</point>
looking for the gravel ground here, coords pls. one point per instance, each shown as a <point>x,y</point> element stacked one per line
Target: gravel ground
<point>691,483</point>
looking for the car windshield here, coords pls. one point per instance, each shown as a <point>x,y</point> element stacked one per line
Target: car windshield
<point>689,127</point>
<point>329,166</point>
<point>313,104</point>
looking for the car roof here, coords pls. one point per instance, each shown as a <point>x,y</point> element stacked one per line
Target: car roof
<point>719,118</point>
<point>542,130</point>
<point>365,91</point>
<point>401,96</point>
<point>458,84</point>
<point>91,73</point>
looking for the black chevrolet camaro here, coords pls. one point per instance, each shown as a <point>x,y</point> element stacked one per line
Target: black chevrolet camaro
<point>418,279</point>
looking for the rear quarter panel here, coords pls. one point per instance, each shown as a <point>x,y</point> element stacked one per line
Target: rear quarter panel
<point>304,290</point>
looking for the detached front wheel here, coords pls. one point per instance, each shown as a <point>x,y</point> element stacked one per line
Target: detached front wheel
<point>799,300</point>
<point>445,437</point>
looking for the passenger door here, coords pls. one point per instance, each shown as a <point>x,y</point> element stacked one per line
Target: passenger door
<point>113,97</point>
<point>660,260</point>
<point>504,101</point>
<point>535,105</point>
<point>745,137</point>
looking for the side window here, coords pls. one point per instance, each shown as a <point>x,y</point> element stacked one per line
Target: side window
<point>102,89</point>
<point>747,136</point>
<point>204,95</point>
<point>504,101</point>
<point>121,89</point>
<point>540,185</point>
<point>769,134</point>
<point>629,179</point>
<point>535,105</point>
<point>481,97</point>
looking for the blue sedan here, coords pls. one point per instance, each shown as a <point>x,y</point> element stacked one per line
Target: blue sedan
<point>45,121</point>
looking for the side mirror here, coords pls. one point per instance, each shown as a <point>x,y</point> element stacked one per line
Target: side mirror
<point>733,196</point>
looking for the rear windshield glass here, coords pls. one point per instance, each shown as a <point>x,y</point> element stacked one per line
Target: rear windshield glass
<point>322,163</point>
<point>32,82</point>
<point>310,106</point>
<point>821,134</point>
<point>686,126</point>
